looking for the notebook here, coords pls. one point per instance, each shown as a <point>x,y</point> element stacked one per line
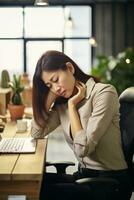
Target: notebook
<point>18,145</point>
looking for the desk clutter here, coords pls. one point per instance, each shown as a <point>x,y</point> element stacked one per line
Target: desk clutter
<point>21,140</point>
<point>15,94</point>
<point>21,125</point>
<point>28,114</point>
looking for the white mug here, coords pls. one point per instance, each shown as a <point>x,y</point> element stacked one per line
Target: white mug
<point>21,125</point>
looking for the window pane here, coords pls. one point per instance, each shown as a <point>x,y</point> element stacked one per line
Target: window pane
<point>11,22</point>
<point>44,22</point>
<point>80,51</point>
<point>11,56</point>
<point>35,49</point>
<point>81,21</point>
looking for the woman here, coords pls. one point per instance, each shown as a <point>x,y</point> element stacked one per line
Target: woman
<point>89,115</point>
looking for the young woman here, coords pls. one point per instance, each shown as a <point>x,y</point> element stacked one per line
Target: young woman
<point>88,112</point>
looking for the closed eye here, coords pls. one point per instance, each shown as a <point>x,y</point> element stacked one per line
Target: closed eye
<point>48,85</point>
<point>55,79</point>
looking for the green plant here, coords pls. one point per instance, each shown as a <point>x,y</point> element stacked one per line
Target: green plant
<point>100,70</point>
<point>118,70</point>
<point>17,88</point>
<point>5,79</point>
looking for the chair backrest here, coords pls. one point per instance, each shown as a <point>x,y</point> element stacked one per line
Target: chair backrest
<point>127,125</point>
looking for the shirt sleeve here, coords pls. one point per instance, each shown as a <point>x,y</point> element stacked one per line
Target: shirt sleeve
<point>105,105</point>
<point>52,122</point>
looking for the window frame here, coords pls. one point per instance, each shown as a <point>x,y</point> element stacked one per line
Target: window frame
<point>25,40</point>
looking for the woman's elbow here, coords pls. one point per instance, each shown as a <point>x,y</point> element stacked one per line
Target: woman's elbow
<point>83,151</point>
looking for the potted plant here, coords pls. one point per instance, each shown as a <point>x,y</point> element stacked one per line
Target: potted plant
<point>118,70</point>
<point>16,107</point>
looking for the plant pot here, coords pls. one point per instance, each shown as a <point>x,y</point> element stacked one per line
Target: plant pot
<point>16,111</point>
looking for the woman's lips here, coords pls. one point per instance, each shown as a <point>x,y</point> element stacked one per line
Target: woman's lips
<point>63,93</point>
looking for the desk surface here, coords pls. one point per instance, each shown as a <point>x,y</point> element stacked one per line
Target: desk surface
<point>23,171</point>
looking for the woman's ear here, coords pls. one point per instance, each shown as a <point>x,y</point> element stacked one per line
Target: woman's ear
<point>70,67</point>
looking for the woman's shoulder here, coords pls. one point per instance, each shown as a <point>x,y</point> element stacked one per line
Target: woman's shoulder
<point>94,88</point>
<point>105,87</point>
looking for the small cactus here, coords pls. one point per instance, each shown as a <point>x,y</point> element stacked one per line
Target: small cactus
<point>5,79</point>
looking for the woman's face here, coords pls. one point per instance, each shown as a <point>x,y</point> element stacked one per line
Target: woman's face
<point>60,82</point>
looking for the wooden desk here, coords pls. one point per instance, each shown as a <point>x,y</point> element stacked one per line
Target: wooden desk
<point>21,174</point>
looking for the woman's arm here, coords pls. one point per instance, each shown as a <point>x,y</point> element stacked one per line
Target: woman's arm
<point>72,106</point>
<point>52,119</point>
<point>86,140</point>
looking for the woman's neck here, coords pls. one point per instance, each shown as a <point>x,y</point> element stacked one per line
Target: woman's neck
<point>75,91</point>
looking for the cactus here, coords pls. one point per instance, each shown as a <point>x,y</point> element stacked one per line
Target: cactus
<point>5,79</point>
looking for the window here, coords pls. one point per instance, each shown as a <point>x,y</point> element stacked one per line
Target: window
<point>35,50</point>
<point>11,58</point>
<point>79,51</point>
<point>81,23</point>
<point>33,30</point>
<point>11,22</point>
<point>44,22</point>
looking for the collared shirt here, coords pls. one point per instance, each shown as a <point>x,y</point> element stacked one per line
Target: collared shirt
<point>98,144</point>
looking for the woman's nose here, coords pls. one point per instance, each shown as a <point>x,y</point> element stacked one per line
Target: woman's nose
<point>56,88</point>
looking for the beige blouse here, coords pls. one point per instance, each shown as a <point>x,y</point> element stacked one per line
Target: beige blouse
<point>98,145</point>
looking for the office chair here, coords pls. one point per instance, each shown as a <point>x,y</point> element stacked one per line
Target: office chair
<point>108,188</point>
<point>127,128</point>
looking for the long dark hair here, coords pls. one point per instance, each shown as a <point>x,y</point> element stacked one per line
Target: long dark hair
<point>50,61</point>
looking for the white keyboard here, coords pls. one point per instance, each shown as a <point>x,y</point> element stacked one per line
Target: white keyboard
<point>17,145</point>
